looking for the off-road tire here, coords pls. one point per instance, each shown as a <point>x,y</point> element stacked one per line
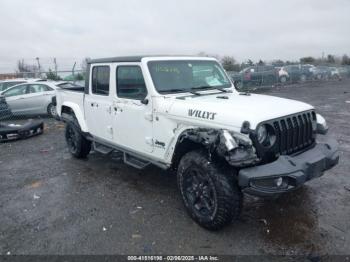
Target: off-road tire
<point>78,145</point>
<point>227,195</point>
<point>51,109</point>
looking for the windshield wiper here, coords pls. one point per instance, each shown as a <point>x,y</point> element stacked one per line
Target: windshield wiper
<point>224,90</point>
<point>211,88</point>
<point>174,90</point>
<point>178,90</point>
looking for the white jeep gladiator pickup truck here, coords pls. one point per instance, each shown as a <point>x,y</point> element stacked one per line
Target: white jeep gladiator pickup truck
<point>184,114</point>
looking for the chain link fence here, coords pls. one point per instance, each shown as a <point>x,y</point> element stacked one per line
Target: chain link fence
<point>260,76</point>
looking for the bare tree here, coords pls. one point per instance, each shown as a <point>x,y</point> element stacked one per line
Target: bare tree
<point>230,64</point>
<point>307,60</point>
<point>26,70</point>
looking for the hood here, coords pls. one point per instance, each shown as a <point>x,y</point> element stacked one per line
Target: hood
<point>230,110</point>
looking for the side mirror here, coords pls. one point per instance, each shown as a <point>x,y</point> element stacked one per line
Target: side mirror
<point>144,101</point>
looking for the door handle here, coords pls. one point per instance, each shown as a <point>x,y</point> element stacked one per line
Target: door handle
<point>94,104</point>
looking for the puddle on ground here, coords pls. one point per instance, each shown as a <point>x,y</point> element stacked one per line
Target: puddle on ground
<point>35,184</point>
<point>290,220</point>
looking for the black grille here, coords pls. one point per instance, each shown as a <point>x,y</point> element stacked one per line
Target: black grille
<point>293,133</point>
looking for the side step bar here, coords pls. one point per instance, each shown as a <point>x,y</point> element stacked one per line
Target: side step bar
<point>101,148</point>
<point>135,162</point>
<point>127,158</point>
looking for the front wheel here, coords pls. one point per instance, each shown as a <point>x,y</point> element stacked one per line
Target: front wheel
<point>78,145</point>
<point>210,195</point>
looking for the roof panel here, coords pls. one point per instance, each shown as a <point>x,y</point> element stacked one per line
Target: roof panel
<point>130,58</point>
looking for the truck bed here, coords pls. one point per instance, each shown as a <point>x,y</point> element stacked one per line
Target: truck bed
<point>73,98</point>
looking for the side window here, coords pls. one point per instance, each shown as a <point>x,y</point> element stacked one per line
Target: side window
<point>16,91</point>
<point>38,88</point>
<point>130,83</point>
<point>100,80</point>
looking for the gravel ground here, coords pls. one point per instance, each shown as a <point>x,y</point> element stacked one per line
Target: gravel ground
<point>51,203</point>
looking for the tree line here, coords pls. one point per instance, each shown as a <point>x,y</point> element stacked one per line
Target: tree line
<point>227,61</point>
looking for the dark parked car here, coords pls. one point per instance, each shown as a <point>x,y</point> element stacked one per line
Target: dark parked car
<point>255,76</point>
<point>322,73</point>
<point>344,71</point>
<point>300,73</point>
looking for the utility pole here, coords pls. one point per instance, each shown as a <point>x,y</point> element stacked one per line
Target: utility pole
<point>73,71</point>
<point>39,67</point>
<point>55,63</point>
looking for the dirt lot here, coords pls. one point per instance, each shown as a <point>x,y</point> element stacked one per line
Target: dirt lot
<point>51,203</point>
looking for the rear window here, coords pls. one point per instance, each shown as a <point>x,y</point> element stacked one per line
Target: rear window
<point>6,85</point>
<point>100,80</point>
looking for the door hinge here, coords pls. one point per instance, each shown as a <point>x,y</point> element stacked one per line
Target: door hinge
<point>110,129</point>
<point>149,140</point>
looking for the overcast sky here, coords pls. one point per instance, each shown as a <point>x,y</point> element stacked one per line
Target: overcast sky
<point>255,29</point>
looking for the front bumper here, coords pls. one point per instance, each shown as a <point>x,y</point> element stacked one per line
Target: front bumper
<point>290,171</point>
<point>14,132</point>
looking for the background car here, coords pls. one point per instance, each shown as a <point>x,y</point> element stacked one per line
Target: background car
<point>68,85</point>
<point>255,76</point>
<point>33,98</point>
<point>5,84</point>
<point>335,73</point>
<point>344,71</point>
<point>298,73</point>
<point>322,73</point>
<point>283,75</point>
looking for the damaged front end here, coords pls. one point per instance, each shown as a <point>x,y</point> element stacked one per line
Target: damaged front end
<point>236,148</point>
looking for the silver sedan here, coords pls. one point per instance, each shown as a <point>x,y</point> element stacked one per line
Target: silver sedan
<point>31,99</point>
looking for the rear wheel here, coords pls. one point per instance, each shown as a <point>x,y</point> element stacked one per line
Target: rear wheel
<point>210,195</point>
<point>238,84</point>
<point>283,79</point>
<point>78,145</point>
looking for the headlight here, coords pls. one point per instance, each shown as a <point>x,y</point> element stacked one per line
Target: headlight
<point>262,134</point>
<point>266,135</point>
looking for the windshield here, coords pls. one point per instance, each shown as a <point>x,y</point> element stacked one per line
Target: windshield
<point>187,75</point>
